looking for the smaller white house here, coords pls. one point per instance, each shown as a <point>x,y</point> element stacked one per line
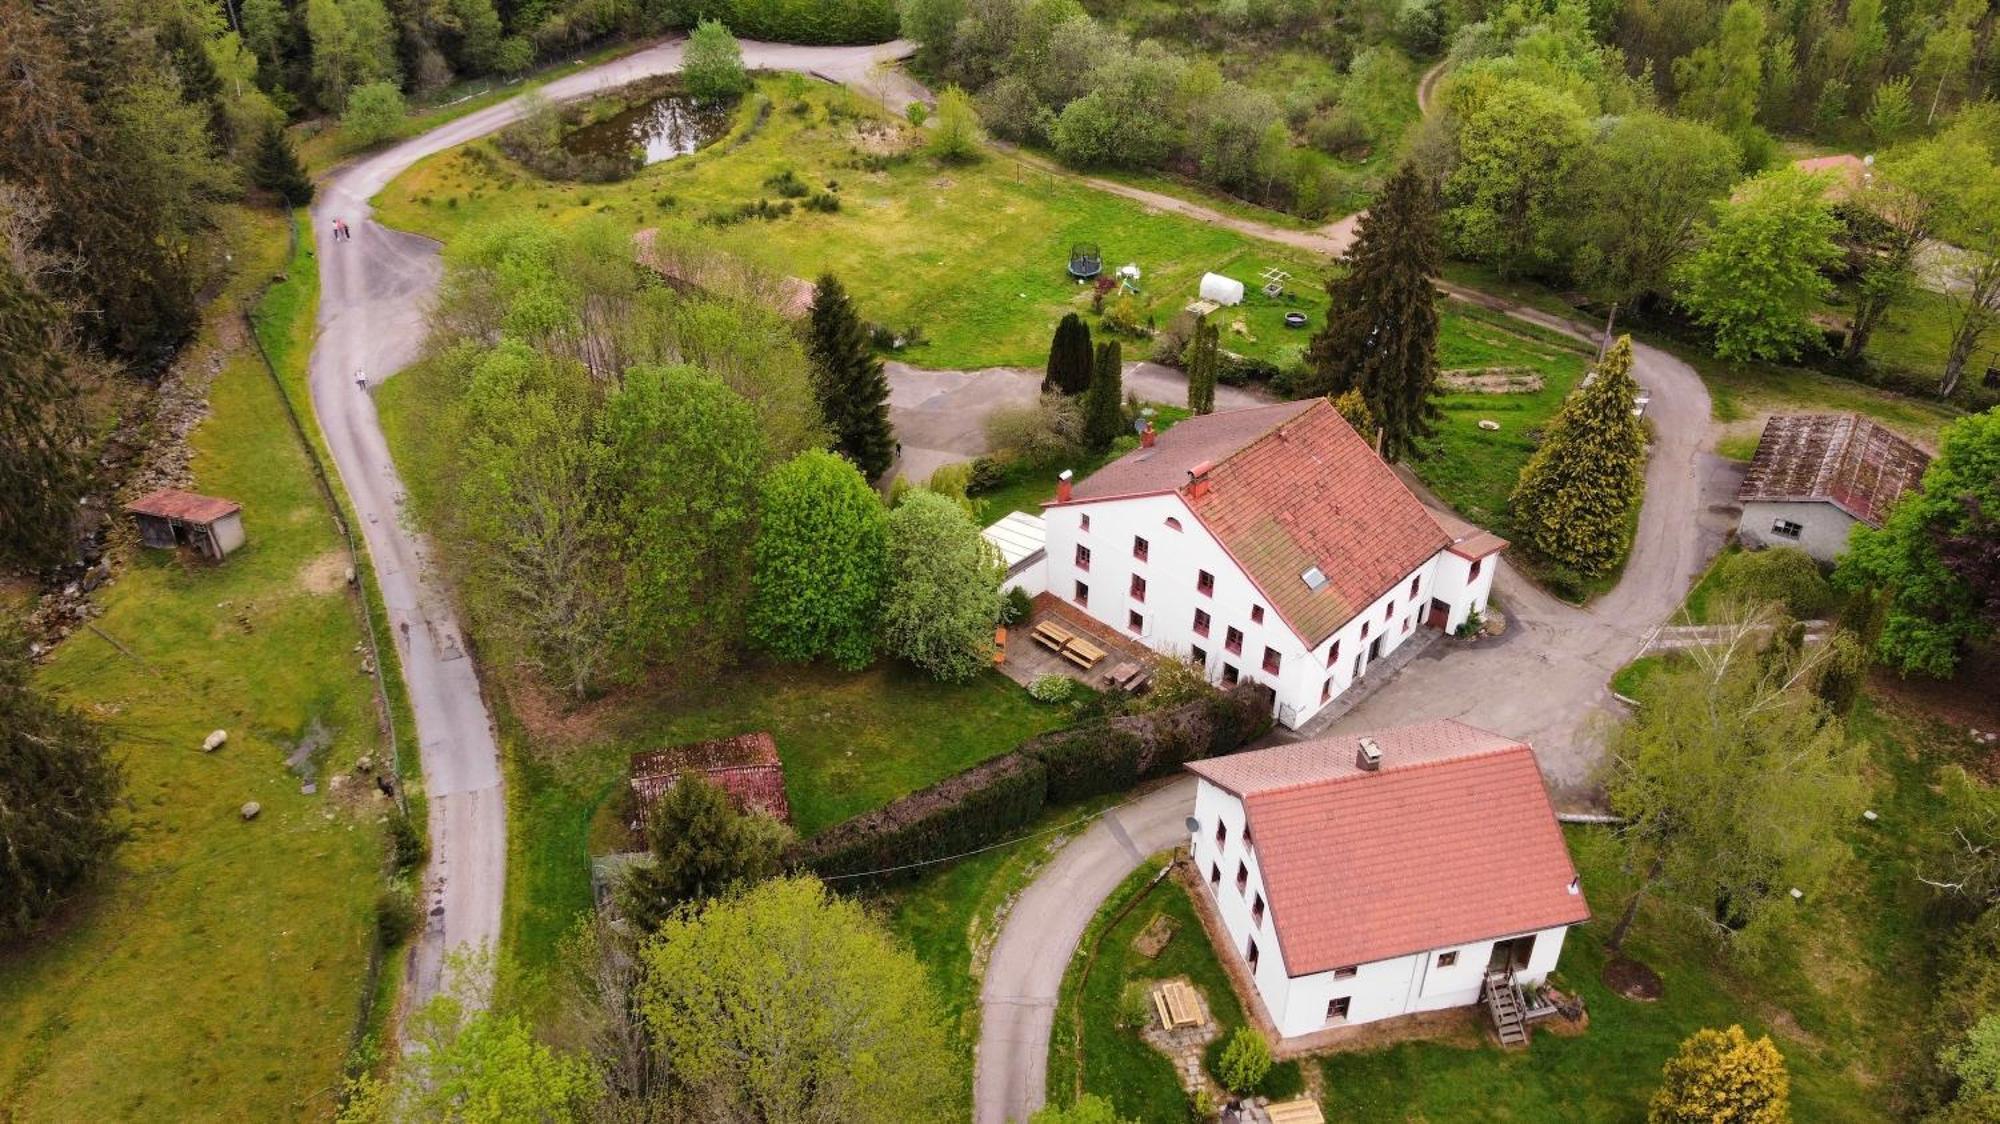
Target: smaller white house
<point>1222,290</point>
<point>1363,877</point>
<point>1815,476</point>
<point>1021,540</point>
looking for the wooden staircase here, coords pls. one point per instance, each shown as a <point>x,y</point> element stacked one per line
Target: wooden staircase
<point>1505,1004</point>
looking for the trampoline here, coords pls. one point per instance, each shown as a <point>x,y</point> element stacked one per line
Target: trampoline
<point>1085,262</point>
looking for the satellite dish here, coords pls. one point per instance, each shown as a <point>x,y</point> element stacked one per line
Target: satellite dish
<point>1193,825</point>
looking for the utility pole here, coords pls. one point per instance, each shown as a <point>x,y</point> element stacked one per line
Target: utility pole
<point>1604,344</point>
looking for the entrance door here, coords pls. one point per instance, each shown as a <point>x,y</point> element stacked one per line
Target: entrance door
<point>1511,955</point>
<point>1440,613</point>
<point>1375,648</point>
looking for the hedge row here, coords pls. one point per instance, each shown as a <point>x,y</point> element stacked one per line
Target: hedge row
<point>803,21</point>
<point>994,800</point>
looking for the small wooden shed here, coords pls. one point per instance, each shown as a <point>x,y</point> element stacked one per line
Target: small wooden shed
<point>171,518</point>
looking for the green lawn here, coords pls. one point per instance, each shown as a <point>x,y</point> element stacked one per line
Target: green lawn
<point>1473,469</point>
<point>850,742</point>
<point>975,255</point>
<point>1114,1062</point>
<point>219,970</point>
<point>1842,1005</point>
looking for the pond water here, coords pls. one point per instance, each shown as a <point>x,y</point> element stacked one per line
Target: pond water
<point>667,126</point>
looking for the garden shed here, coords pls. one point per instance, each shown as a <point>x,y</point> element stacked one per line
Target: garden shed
<point>1222,290</point>
<point>746,767</point>
<point>170,518</point>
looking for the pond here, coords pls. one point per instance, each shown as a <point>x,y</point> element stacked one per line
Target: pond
<point>662,128</point>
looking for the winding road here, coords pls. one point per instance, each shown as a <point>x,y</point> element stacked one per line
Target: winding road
<point>1544,680</point>
<point>375,289</point>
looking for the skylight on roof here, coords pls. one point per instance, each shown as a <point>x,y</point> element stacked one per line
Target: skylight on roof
<point>1313,578</point>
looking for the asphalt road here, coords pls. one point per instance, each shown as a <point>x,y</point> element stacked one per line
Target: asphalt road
<point>1544,681</point>
<point>375,290</point>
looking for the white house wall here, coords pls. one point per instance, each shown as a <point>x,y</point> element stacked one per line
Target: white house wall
<point>1823,527</point>
<point>1462,589</point>
<point>1379,989</point>
<point>1174,559</point>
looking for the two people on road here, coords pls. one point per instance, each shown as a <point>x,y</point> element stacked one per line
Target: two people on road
<point>340,231</point>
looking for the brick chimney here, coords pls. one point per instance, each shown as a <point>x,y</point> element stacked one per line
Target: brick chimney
<point>1148,435</point>
<point>1368,756</point>
<point>1063,484</point>
<point>1198,479</point>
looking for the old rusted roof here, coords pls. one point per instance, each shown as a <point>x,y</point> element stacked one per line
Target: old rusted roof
<point>172,503</point>
<point>1451,841</point>
<point>745,766</point>
<point>1842,459</point>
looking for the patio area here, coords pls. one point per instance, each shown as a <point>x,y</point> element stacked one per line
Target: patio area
<point>1035,648</point>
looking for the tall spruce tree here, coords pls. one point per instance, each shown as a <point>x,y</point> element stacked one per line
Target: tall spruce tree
<point>1069,357</point>
<point>58,790</point>
<point>42,451</point>
<point>853,391</point>
<point>276,168</point>
<point>1577,492</point>
<point>1104,404</point>
<point>1381,332</point>
<point>1203,357</point>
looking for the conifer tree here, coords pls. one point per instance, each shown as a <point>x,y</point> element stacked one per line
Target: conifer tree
<point>1104,405</point>
<point>1381,334</point>
<point>1577,492</point>
<point>277,170</point>
<point>1069,366</point>
<point>1201,365</point>
<point>853,391</point>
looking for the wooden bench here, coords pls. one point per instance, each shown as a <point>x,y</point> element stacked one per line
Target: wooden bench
<point>1053,636</point>
<point>1083,653</point>
<point>1301,1111</point>
<point>1177,1006</point>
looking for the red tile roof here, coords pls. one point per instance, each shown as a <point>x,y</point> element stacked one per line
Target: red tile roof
<point>172,503</point>
<point>1289,488</point>
<point>1842,459</point>
<point>745,766</point>
<point>1452,841</point>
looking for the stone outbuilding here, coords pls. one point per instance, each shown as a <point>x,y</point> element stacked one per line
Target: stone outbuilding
<point>1816,475</point>
<point>171,518</point>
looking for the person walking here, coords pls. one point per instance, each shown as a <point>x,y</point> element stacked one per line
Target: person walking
<point>361,379</point>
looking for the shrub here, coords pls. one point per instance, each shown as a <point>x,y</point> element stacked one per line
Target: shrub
<point>374,113</point>
<point>917,113</point>
<point>825,202</point>
<point>712,63</point>
<point>395,916</point>
<point>1015,606</point>
<point>1245,1061</point>
<point>987,474</point>
<point>1241,370</point>
<point>787,184</point>
<point>1052,688</point>
<point>1088,760</point>
<point>805,21</point>
<point>1337,132</point>
<point>1135,1005</point>
<point>1041,434</point>
<point>1782,574</point>
<point>966,810</point>
<point>1722,1077</point>
<point>408,846</point>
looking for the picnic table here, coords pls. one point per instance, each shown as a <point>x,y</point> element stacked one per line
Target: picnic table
<point>1127,676</point>
<point>1082,653</point>
<point>1053,636</point>
<point>1177,1005</point>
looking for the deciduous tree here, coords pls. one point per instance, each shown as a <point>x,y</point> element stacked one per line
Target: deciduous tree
<point>712,62</point>
<point>1938,554</point>
<point>374,112</point>
<point>819,562</point>
<point>788,1003</point>
<point>1069,366</point>
<point>1723,1077</point>
<point>1757,276</point>
<point>687,453</point>
<point>1723,81</point>
<point>1381,331</point>
<point>1517,143</point>
<point>955,133</point>
<point>943,590</point>
<point>59,793</point>
<point>1734,784</point>
<point>853,391</point>
<point>702,847</point>
<point>1104,402</point>
<point>1577,492</point>
<point>1639,190</point>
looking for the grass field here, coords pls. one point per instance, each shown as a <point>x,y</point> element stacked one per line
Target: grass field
<point>218,972</point>
<point>975,255</point>
<point>1114,1062</point>
<point>1842,1006</point>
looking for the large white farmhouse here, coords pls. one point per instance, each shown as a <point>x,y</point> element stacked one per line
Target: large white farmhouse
<point>1269,544</point>
<point>1367,876</point>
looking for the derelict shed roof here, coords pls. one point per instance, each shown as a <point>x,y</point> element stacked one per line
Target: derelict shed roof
<point>1451,841</point>
<point>1843,459</point>
<point>188,507</point>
